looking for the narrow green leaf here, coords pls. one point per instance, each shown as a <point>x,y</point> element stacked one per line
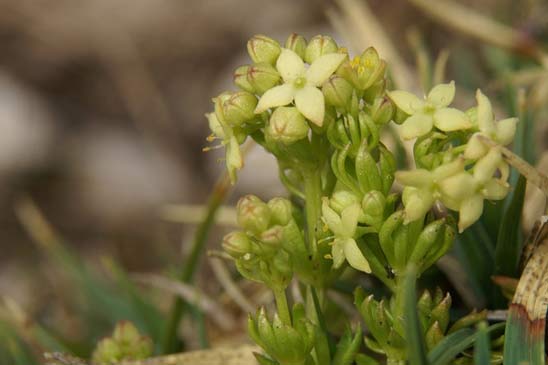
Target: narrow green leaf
<point>482,349</point>
<point>508,247</point>
<point>455,343</point>
<point>415,338</point>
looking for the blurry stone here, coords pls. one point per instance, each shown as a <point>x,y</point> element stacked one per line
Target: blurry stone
<point>26,128</point>
<point>121,178</point>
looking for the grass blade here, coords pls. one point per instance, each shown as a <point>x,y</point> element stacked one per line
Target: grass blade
<point>482,349</point>
<point>413,330</point>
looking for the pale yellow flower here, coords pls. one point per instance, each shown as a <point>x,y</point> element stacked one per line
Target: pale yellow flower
<point>301,85</point>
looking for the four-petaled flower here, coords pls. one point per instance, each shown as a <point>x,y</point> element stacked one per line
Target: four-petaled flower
<point>422,187</point>
<point>344,227</point>
<point>301,84</point>
<point>501,132</point>
<point>430,112</point>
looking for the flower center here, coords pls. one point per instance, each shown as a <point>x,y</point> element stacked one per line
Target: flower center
<point>299,82</point>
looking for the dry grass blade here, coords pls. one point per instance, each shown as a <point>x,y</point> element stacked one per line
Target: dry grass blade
<point>232,290</point>
<point>526,325</point>
<point>242,355</point>
<point>191,295</point>
<point>479,26</point>
<point>533,175</point>
<point>356,22</point>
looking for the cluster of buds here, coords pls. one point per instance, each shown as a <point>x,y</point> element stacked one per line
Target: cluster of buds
<point>126,343</point>
<point>270,247</point>
<point>285,343</point>
<point>386,323</point>
<point>459,175</point>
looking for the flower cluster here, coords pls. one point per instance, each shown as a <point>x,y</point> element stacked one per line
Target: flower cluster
<point>464,174</point>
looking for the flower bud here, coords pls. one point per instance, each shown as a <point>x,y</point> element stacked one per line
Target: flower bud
<point>253,214</point>
<point>342,199</point>
<point>273,236</point>
<point>218,102</point>
<point>433,336</point>
<point>373,207</point>
<point>287,125</point>
<point>239,108</point>
<point>262,77</point>
<point>337,91</point>
<point>240,78</point>
<point>319,46</point>
<point>382,110</point>
<point>214,125</point>
<point>236,244</point>
<point>281,210</point>
<point>297,44</point>
<point>263,49</point>
<point>440,313</point>
<point>126,343</point>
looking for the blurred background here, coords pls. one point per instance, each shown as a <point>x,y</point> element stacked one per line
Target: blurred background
<point>102,125</point>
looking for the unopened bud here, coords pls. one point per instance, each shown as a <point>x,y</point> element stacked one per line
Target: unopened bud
<point>373,204</point>
<point>126,343</point>
<point>297,44</point>
<point>239,108</point>
<point>263,49</point>
<point>273,236</point>
<point>382,110</point>
<point>337,91</point>
<point>262,77</point>
<point>281,210</point>
<point>319,46</point>
<point>287,125</point>
<point>342,199</point>
<point>253,214</point>
<point>240,78</point>
<point>236,244</point>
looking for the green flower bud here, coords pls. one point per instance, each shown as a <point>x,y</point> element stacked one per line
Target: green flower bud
<point>287,125</point>
<point>253,214</point>
<point>342,199</point>
<point>263,49</point>
<point>126,343</point>
<point>239,108</point>
<point>440,313</point>
<point>319,46</point>
<point>273,236</point>
<point>281,209</point>
<point>241,79</point>
<point>382,110</point>
<point>433,336</point>
<point>262,77</point>
<point>469,320</point>
<point>218,102</point>
<point>236,244</point>
<point>337,91</point>
<point>297,44</point>
<point>373,204</point>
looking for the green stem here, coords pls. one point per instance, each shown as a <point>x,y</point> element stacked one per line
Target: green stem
<point>281,304</point>
<point>170,343</point>
<point>313,196</point>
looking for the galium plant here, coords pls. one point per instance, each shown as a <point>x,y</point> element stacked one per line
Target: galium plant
<point>322,114</point>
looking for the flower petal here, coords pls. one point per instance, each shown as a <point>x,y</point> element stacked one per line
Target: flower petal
<point>486,124</point>
<point>475,148</point>
<point>277,96</point>
<point>458,187</point>
<point>506,129</point>
<point>354,256</point>
<point>349,220</point>
<point>442,95</point>
<point>234,160</point>
<point>310,102</point>
<point>417,203</point>
<point>487,165</point>
<point>289,65</point>
<point>417,178</point>
<point>331,218</point>
<point>416,125</point>
<point>337,251</point>
<point>494,189</point>
<point>448,169</point>
<point>470,211</point>
<point>406,101</point>
<point>451,119</point>
<point>321,69</point>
